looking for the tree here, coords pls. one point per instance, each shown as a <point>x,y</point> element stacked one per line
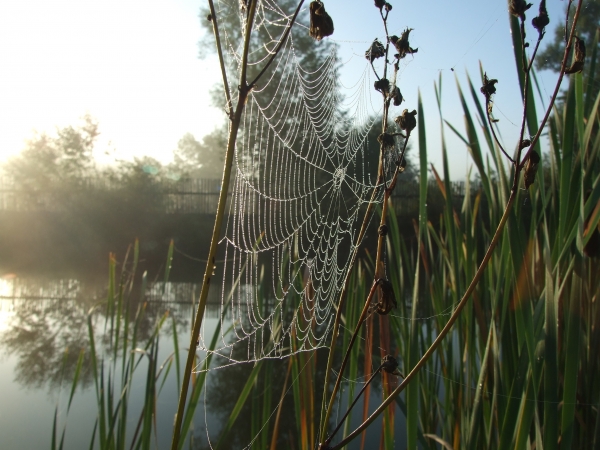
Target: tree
<point>55,164</point>
<point>270,95</point>
<point>200,159</point>
<point>46,159</point>
<point>589,22</point>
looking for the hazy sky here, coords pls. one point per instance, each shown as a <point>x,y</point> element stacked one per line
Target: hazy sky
<point>133,66</point>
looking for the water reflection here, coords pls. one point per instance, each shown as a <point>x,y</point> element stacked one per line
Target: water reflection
<point>44,323</point>
<point>41,318</point>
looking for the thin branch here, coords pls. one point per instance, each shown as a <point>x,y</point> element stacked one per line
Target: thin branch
<point>249,22</point>
<point>338,380</point>
<point>494,133</point>
<point>325,407</point>
<point>213,15</point>
<point>281,42</point>
<point>328,440</point>
<point>563,66</point>
<point>236,121</point>
<point>462,303</point>
<point>443,332</point>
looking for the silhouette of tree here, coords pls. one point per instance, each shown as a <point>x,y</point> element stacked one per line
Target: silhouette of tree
<point>55,164</point>
<point>589,22</point>
<point>200,159</point>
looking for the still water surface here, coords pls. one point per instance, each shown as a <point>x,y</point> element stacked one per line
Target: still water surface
<point>43,326</point>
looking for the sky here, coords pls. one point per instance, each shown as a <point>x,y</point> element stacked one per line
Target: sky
<point>134,67</point>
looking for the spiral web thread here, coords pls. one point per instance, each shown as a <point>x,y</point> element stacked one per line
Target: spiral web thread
<point>303,179</point>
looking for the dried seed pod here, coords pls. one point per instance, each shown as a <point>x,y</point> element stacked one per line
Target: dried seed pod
<point>488,89</point>
<point>531,168</point>
<point>209,17</point>
<point>379,3</point>
<point>396,96</point>
<point>387,300</point>
<point>383,230</point>
<point>386,140</point>
<point>518,7</point>
<point>377,50</point>
<point>577,65</point>
<point>524,144</point>
<point>388,7</point>
<point>382,85</point>
<point>390,365</point>
<point>542,20</point>
<point>402,45</point>
<point>321,24</point>
<point>407,121</point>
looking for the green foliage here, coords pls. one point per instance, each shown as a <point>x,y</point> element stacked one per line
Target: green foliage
<point>551,56</point>
<point>49,162</point>
<point>523,343</point>
<point>200,159</point>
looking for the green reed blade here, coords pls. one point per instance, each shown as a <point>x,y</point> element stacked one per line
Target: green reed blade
<point>591,77</point>
<point>93,437</point>
<point>168,264</point>
<point>176,351</point>
<point>550,359</point>
<point>76,377</point>
<point>149,396</point>
<point>531,118</point>
<point>596,441</point>
<point>567,145</point>
<point>526,414</point>
<point>571,350</point>
<point>201,379</point>
<point>509,418</point>
<point>473,141</point>
<point>476,414</point>
<point>54,426</point>
<point>412,390</point>
<point>240,402</point>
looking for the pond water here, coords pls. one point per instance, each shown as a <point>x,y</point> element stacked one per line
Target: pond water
<point>43,326</point>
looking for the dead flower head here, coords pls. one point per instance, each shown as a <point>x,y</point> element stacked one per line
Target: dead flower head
<point>321,24</point>
<point>407,121</point>
<point>531,168</point>
<point>518,7</point>
<point>397,96</point>
<point>387,300</point>
<point>542,20</point>
<point>377,50</point>
<point>488,89</point>
<point>390,365</point>
<point>382,85</point>
<point>577,65</point>
<point>524,144</point>
<point>402,45</point>
<point>386,141</point>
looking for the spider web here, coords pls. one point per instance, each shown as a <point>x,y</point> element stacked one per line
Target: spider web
<point>303,176</point>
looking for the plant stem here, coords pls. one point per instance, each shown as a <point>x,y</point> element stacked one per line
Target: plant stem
<point>244,91</point>
<point>445,330</point>
<point>462,303</point>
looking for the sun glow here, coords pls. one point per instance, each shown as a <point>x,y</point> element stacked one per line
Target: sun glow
<point>133,66</point>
